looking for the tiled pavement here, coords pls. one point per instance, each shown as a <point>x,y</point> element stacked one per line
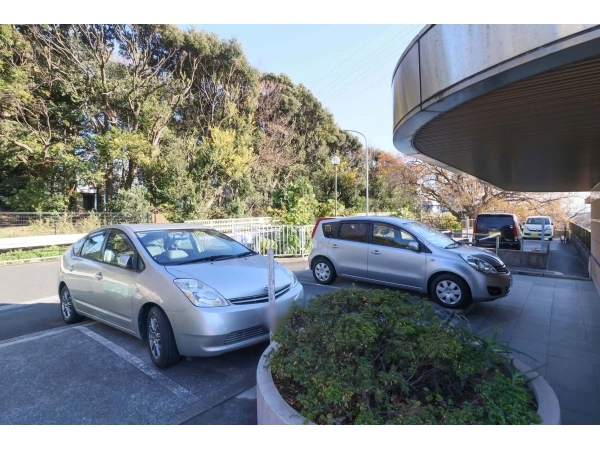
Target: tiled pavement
<point>556,321</point>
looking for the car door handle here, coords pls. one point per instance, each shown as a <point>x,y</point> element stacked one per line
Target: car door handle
<point>72,267</point>
<point>334,246</point>
<point>99,275</point>
<point>376,252</point>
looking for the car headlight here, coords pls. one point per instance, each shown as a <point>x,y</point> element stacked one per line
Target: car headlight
<point>294,280</point>
<point>200,294</point>
<point>479,264</point>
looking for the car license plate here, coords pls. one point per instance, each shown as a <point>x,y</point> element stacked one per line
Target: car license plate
<point>535,234</point>
<point>490,233</point>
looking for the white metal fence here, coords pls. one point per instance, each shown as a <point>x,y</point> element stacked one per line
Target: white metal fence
<point>228,225</point>
<point>286,240</point>
<point>259,234</point>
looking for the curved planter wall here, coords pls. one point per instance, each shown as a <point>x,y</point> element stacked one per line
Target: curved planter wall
<point>273,410</point>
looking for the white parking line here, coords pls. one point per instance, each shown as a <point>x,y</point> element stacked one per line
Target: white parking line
<point>41,334</point>
<point>175,388</point>
<point>51,299</point>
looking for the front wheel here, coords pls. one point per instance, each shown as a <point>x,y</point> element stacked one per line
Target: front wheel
<point>161,341</point>
<point>69,314</point>
<point>451,291</point>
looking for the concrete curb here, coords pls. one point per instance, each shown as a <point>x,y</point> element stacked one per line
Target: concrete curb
<point>30,260</point>
<point>516,271</point>
<point>272,409</point>
<point>548,406</point>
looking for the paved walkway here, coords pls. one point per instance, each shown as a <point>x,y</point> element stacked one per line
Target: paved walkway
<point>564,259</point>
<point>556,321</point>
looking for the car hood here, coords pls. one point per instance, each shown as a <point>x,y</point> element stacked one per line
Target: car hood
<point>485,255</point>
<point>234,278</point>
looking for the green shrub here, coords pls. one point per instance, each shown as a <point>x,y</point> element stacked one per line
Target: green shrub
<point>382,357</point>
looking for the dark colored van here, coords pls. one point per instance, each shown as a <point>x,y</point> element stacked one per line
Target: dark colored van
<point>508,225</point>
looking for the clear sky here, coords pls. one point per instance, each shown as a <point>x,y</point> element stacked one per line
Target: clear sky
<point>347,67</point>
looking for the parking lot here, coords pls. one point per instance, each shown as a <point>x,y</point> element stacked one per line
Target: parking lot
<point>93,374</point>
<point>90,373</point>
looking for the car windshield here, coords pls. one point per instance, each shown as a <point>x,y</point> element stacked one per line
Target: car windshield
<point>431,235</point>
<point>538,221</point>
<point>173,247</point>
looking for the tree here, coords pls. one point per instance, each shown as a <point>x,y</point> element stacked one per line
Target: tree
<point>465,196</point>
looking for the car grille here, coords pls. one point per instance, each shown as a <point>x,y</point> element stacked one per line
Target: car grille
<point>244,335</point>
<point>259,298</point>
<point>501,269</point>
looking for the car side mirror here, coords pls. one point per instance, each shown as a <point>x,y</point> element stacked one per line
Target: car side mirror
<point>125,261</point>
<point>413,245</point>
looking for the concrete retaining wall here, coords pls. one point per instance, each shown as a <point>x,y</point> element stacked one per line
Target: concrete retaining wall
<point>531,260</point>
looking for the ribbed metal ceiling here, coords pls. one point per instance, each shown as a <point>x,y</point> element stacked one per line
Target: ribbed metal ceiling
<point>541,134</point>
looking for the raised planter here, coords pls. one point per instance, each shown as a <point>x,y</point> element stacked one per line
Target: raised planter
<point>272,409</point>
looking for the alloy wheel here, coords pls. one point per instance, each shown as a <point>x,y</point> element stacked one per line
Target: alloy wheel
<point>154,337</point>
<point>67,304</point>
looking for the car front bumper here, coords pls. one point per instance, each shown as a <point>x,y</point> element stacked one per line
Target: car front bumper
<point>214,331</point>
<point>537,234</point>
<point>487,287</point>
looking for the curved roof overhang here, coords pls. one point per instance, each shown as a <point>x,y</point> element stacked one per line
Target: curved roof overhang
<point>516,106</point>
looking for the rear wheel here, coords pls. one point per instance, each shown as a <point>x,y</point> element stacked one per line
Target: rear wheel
<point>451,291</point>
<point>323,271</point>
<point>69,314</point>
<point>161,341</point>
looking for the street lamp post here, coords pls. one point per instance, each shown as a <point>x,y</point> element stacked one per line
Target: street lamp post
<point>420,202</point>
<point>335,161</point>
<point>367,164</point>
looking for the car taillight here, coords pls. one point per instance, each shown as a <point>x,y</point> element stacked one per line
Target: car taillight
<point>516,233</point>
<point>317,224</point>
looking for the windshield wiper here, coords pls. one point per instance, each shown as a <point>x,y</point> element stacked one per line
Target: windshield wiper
<point>453,245</point>
<point>206,258</point>
<point>241,255</point>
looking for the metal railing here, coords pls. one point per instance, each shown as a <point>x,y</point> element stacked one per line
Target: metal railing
<point>286,240</point>
<point>583,234</point>
<point>474,239</point>
<point>227,225</point>
<point>22,224</point>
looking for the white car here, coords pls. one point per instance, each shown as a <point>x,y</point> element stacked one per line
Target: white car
<point>533,227</point>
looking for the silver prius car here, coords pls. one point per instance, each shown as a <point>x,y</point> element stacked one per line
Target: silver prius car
<point>407,254</point>
<point>187,290</point>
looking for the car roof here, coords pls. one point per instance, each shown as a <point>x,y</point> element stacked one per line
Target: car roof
<point>535,217</point>
<point>495,214</point>
<point>135,227</point>
<point>390,219</point>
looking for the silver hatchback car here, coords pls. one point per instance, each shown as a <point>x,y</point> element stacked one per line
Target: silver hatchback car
<point>407,254</point>
<point>187,290</point>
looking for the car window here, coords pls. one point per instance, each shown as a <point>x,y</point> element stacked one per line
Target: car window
<point>353,232</point>
<point>538,221</point>
<point>494,222</point>
<point>92,246</point>
<point>390,236</point>
<point>169,247</point>
<point>77,246</point>
<point>116,246</point>
<point>429,234</point>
